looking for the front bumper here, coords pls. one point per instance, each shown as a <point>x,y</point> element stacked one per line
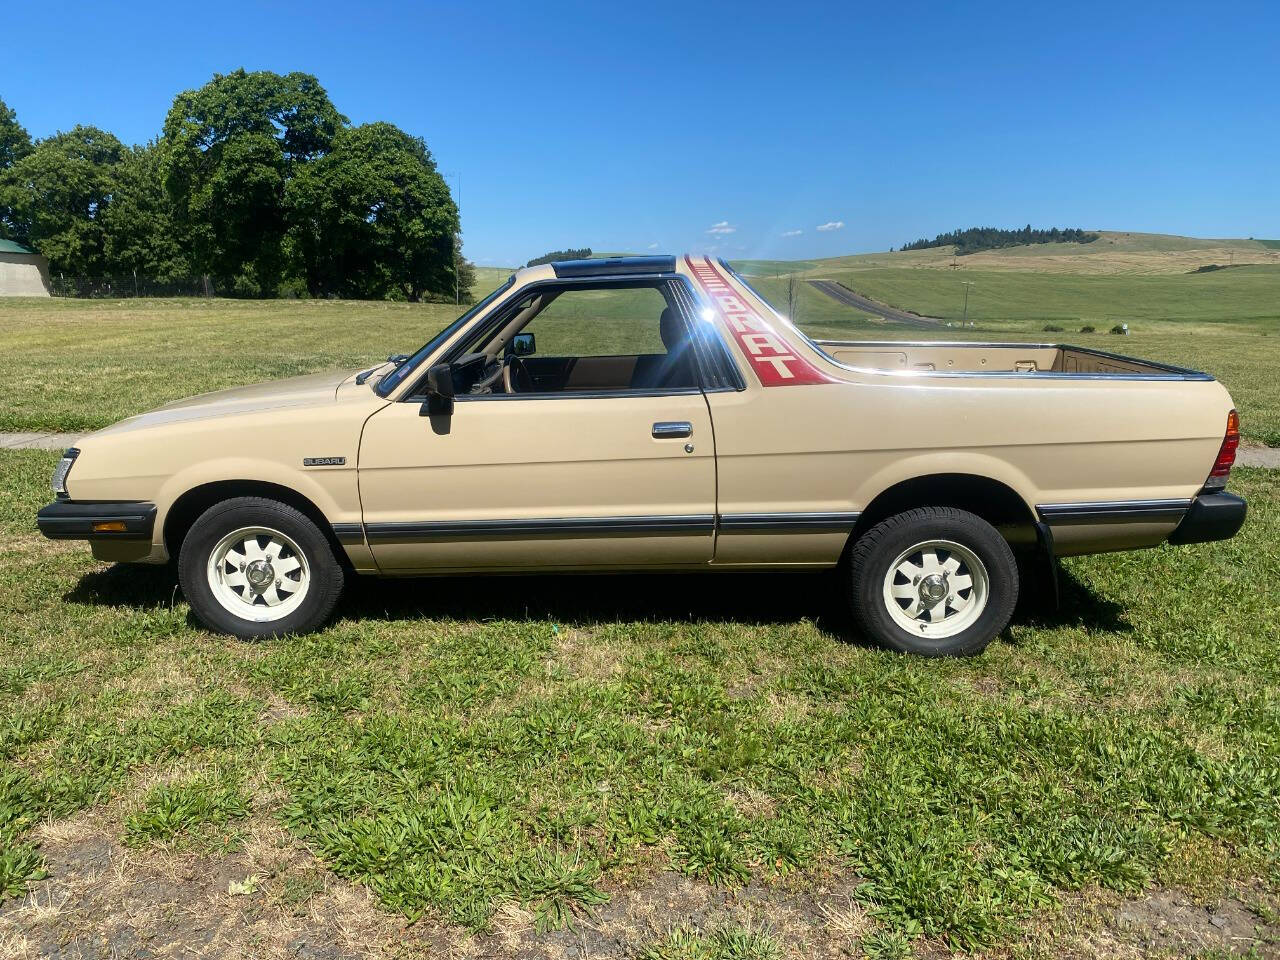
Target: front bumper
<point>1211,516</point>
<point>68,520</point>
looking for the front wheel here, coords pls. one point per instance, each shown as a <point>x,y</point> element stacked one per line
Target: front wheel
<point>253,568</point>
<point>934,581</point>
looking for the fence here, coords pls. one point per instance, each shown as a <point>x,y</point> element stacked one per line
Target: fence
<point>107,288</point>
<point>130,286</point>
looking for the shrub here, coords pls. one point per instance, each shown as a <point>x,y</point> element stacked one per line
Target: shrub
<point>1088,328</point>
<point>1052,328</point>
<point>1121,329</point>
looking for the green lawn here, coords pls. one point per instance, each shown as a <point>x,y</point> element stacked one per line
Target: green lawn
<point>464,748</point>
<point>78,365</point>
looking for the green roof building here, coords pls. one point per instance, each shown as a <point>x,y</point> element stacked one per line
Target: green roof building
<point>23,272</point>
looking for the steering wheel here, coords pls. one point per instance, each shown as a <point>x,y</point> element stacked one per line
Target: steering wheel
<point>489,377</point>
<point>515,376</point>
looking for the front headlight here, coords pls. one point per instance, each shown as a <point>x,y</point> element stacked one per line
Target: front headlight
<point>68,461</point>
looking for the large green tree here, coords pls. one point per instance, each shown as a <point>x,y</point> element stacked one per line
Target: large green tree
<point>373,218</point>
<point>138,226</point>
<point>231,148</point>
<point>15,143</point>
<point>57,196</point>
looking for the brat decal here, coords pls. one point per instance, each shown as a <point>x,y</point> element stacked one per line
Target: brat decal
<point>775,362</point>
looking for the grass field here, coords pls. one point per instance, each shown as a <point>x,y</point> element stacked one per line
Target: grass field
<point>678,768</point>
<point>498,764</point>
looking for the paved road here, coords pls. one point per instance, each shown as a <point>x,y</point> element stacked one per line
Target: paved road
<point>839,292</point>
<point>38,441</point>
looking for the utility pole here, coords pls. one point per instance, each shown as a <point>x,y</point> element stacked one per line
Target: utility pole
<point>967,285</point>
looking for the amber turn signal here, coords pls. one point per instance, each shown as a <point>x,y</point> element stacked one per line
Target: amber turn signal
<point>109,526</point>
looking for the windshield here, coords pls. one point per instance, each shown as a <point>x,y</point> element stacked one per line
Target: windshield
<point>397,376</point>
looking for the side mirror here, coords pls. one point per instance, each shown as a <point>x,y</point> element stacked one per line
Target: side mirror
<point>523,345</point>
<point>439,391</point>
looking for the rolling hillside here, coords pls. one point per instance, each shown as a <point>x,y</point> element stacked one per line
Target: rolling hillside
<point>1225,321</point>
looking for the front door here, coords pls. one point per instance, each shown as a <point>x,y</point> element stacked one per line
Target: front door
<point>593,451</point>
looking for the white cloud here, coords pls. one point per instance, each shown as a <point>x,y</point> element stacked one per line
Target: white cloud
<point>792,233</point>
<point>722,228</point>
<point>831,225</point>
<point>653,246</point>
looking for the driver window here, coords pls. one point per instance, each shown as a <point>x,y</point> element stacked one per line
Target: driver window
<point>600,323</point>
<point>589,339</point>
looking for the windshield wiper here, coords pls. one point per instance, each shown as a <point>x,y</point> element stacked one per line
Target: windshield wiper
<point>364,375</point>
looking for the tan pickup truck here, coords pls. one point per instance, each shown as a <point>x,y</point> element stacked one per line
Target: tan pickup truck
<point>655,413</point>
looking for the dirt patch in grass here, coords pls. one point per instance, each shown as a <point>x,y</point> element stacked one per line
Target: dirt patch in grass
<point>1165,922</point>
<point>101,899</point>
<point>270,900</point>
<point>813,917</point>
<point>1171,921</point>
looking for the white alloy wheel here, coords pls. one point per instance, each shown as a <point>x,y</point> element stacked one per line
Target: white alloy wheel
<point>936,589</point>
<point>258,574</point>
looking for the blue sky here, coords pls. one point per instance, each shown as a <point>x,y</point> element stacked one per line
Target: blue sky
<point>733,126</point>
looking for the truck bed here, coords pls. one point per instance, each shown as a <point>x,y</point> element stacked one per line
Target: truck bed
<point>996,358</point>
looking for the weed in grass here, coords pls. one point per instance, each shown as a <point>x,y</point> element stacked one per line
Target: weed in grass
<point>19,864</point>
<point>887,945</point>
<point>727,943</point>
<point>181,810</point>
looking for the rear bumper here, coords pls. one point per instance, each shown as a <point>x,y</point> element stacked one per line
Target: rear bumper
<point>68,520</point>
<point>1211,516</point>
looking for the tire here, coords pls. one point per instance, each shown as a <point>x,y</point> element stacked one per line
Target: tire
<point>218,567</point>
<point>951,604</point>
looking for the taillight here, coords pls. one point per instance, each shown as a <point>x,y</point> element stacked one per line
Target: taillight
<point>1226,454</point>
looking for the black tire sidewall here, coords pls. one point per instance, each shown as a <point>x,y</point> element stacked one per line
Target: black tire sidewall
<point>882,544</point>
<point>221,519</point>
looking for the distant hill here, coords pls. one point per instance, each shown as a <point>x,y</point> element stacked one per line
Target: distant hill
<point>1113,252</point>
<point>976,239</point>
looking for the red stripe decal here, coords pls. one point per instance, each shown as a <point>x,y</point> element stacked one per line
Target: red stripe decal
<point>775,362</point>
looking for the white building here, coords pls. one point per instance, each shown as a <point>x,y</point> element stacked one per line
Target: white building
<point>22,272</point>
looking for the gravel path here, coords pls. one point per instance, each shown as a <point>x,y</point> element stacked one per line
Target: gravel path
<point>841,294</point>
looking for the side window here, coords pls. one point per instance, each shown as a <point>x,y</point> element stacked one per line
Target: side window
<point>600,323</point>
<point>579,339</point>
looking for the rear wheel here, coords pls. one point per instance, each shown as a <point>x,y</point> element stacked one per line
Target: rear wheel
<point>935,581</point>
<point>253,568</point>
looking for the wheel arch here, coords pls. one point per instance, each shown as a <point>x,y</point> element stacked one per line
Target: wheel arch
<point>993,500</point>
<point>188,507</point>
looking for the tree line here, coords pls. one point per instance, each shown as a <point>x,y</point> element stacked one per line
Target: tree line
<point>256,182</point>
<point>992,238</point>
<point>582,253</point>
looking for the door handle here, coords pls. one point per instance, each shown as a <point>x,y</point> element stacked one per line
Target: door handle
<point>672,430</point>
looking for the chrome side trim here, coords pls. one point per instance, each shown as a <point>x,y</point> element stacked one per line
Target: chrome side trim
<point>1113,511</point>
<point>787,522</point>
<point>550,527</point>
